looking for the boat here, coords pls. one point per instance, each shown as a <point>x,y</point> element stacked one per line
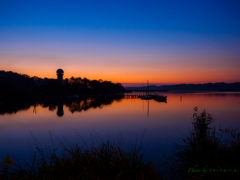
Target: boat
<point>146,97</point>
<point>159,98</point>
<point>156,97</point>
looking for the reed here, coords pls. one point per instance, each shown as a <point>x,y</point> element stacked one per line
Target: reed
<point>207,154</point>
<point>107,161</point>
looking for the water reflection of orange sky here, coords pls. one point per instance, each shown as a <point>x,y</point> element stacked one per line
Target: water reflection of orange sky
<point>128,112</point>
<point>128,119</point>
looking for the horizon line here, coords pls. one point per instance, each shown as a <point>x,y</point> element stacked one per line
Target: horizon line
<point>130,84</point>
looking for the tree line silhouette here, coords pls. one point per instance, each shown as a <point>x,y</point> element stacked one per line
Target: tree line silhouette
<point>221,86</point>
<point>14,85</point>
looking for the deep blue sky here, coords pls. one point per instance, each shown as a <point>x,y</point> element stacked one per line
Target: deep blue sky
<point>146,34</point>
<point>204,17</point>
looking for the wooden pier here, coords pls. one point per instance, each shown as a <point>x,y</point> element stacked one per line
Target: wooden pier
<point>154,96</point>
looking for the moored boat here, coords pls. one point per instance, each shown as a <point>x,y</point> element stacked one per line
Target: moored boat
<point>146,97</point>
<point>159,98</point>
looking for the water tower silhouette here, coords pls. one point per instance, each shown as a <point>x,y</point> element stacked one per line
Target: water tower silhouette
<point>60,111</point>
<point>60,76</point>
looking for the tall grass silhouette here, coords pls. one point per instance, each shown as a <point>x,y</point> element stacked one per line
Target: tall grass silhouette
<point>106,161</point>
<point>206,154</point>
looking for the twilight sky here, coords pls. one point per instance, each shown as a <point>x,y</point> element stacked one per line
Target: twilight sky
<point>163,41</point>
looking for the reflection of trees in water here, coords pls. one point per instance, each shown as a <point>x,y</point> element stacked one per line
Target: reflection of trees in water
<point>79,106</point>
<point>52,105</point>
<point>10,107</point>
<point>52,108</point>
<point>91,103</point>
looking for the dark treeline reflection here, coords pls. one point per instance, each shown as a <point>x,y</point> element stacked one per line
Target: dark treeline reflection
<point>11,107</point>
<point>74,105</point>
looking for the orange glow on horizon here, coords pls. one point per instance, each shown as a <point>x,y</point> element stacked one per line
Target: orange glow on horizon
<point>173,75</point>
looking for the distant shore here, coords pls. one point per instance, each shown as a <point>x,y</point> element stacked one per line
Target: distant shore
<point>190,87</point>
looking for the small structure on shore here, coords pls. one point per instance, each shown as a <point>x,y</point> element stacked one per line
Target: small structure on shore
<point>60,73</point>
<point>59,80</point>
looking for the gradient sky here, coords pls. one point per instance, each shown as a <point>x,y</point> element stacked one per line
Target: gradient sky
<point>168,42</point>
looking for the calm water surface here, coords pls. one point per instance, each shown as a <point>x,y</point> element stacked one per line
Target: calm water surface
<point>162,124</point>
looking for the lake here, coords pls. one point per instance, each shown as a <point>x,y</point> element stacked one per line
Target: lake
<point>125,120</point>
